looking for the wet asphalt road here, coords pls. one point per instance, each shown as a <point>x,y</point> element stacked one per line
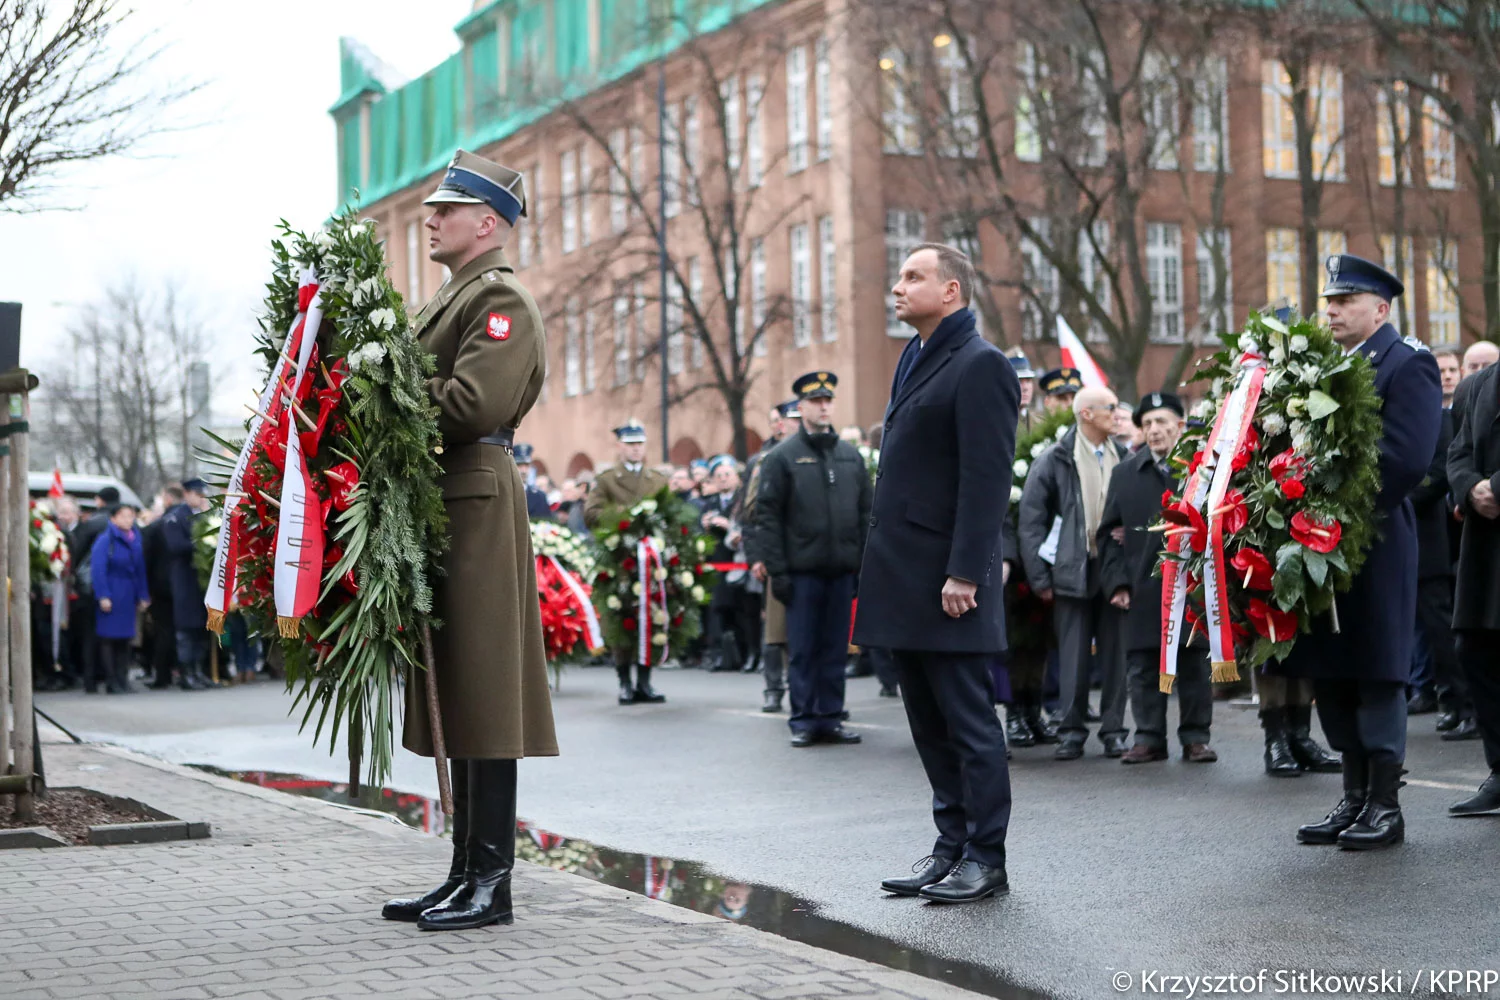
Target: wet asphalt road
<point>1173,868</point>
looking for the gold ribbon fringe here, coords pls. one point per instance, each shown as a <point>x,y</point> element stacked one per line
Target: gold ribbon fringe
<point>289,628</point>
<point>216,621</point>
<point>1164,682</point>
<point>1225,672</point>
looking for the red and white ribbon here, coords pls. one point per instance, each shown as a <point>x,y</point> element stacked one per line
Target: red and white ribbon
<point>647,556</point>
<point>299,530</point>
<point>585,606</point>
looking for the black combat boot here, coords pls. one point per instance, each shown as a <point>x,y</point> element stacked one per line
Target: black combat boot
<point>1356,783</point>
<point>643,689</point>
<point>1306,750</point>
<point>627,689</point>
<point>1279,760</point>
<point>484,897</point>
<point>1017,732</point>
<point>411,909</point>
<point>1379,823</point>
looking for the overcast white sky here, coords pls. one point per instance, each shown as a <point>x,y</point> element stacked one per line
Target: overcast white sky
<point>203,207</point>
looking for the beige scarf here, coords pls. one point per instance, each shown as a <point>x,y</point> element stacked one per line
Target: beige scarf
<point>1093,482</point>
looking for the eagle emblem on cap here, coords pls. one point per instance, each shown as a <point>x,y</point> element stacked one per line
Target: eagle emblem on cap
<point>1333,267</point>
<point>1155,399</point>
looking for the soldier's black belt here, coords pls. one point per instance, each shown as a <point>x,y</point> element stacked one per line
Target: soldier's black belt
<point>504,437</point>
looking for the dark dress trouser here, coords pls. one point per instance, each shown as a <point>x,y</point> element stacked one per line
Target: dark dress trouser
<point>950,705</point>
<point>817,644</point>
<point>1195,696</point>
<point>1435,615</point>
<point>1363,718</point>
<point>1082,623</point>
<point>1479,652</point>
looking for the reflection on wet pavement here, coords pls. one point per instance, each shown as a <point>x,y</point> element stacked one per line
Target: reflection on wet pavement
<point>669,880</point>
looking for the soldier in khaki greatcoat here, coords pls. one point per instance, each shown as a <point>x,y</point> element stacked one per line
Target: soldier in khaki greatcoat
<point>625,485</point>
<point>485,334</point>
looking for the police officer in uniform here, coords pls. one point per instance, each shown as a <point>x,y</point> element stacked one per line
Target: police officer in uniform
<point>1059,386</point>
<point>625,485</point>
<point>1360,672</point>
<point>1027,375</point>
<point>537,506</point>
<point>812,514</point>
<point>485,333</point>
<point>773,626</point>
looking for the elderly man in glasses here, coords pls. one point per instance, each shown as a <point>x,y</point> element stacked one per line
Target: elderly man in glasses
<point>1061,506</point>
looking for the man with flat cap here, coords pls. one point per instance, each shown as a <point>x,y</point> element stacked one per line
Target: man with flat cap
<point>785,420</point>
<point>812,512</point>
<point>537,506</point>
<point>485,334</point>
<point>1059,386</point>
<point>626,484</point>
<point>1360,671</point>
<point>1128,554</point>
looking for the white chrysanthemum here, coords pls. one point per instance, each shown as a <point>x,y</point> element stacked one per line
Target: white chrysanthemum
<point>322,239</point>
<point>699,594</point>
<point>1037,449</point>
<point>48,544</point>
<point>1248,344</point>
<point>659,639</point>
<point>658,616</point>
<point>1217,388</point>
<point>1278,355</point>
<point>1299,344</point>
<point>1299,442</point>
<point>612,602</point>
<point>702,546</point>
<point>612,541</point>
<point>659,575</point>
<point>1273,423</point>
<point>1021,467</point>
<point>648,506</point>
<point>686,579</point>
<point>367,356</point>
<point>383,319</point>
<point>1015,494</point>
<point>1310,374</point>
<point>1296,406</point>
<point>635,588</point>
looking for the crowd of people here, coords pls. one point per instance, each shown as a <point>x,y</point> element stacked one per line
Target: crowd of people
<point>131,600</point>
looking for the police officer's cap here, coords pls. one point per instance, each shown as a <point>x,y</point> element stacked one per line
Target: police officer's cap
<point>631,432</point>
<point>719,461</point>
<point>522,453</point>
<point>1348,274</point>
<point>1158,401</point>
<point>1022,365</point>
<point>473,180</point>
<point>790,410</point>
<point>1061,381</point>
<point>816,385</point>
<point>194,485</point>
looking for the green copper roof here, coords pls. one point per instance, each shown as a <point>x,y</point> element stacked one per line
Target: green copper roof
<point>414,127</point>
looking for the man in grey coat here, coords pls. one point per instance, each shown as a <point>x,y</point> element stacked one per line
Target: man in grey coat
<point>1061,507</point>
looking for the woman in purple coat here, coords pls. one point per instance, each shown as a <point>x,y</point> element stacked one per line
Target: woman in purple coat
<point>119,577</point>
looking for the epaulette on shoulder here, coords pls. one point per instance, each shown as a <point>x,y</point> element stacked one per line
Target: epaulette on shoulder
<point>1415,344</point>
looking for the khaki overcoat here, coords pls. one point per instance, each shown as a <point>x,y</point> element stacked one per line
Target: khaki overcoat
<point>485,331</point>
<point>617,486</point>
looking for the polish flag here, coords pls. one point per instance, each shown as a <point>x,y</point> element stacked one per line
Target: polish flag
<point>56,491</point>
<point>1075,355</point>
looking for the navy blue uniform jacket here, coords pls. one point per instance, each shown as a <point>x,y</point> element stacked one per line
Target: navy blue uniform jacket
<point>1376,614</point>
<point>188,609</point>
<point>941,495</point>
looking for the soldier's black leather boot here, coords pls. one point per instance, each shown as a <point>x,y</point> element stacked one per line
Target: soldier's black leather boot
<point>1356,781</point>
<point>1306,751</point>
<point>1379,823</point>
<point>484,897</point>
<point>411,909</point>
<point>627,689</point>
<point>643,689</point>
<point>1279,760</point>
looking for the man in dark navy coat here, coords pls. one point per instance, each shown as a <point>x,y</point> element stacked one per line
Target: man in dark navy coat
<point>1360,672</point>
<point>931,588</point>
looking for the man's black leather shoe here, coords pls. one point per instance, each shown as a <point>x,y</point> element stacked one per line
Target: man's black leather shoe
<point>1380,823</point>
<point>1486,800</point>
<point>929,870</point>
<point>1448,720</point>
<point>968,882</point>
<point>1421,703</point>
<point>841,735</point>
<point>1343,815</point>
<point>410,909</point>
<point>1465,730</point>
<point>1114,746</point>
<point>772,702</point>
<point>1068,750</point>
<point>479,903</point>
<point>1017,732</point>
<point>804,738</point>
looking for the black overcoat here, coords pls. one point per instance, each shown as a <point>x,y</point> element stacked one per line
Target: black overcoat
<point>941,494</point>
<point>1133,503</point>
<point>1475,455</point>
<point>1376,614</point>
<point>1433,511</point>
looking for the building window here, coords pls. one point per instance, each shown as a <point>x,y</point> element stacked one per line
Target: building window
<point>1095,118</point>
<point>671,186</point>
<point>796,109</point>
<point>1442,294</point>
<point>675,354</point>
<point>572,350</point>
<point>903,231</point>
<point>637,168</point>
<point>958,94</point>
<point>734,301</point>
<point>568,192</point>
<point>1093,251</point>
<point>585,180</point>
<point>827,276</point>
<point>1215,283</point>
<point>801,286</point>
<point>1163,124</point>
<point>638,324</point>
<point>1392,129</point>
<point>1278,127</point>
<point>1331,242</point>
<point>755,153</point>
<point>588,349</point>
<point>1402,269</point>
<point>1164,273</point>
<point>758,296</point>
<point>1283,267</point>
<point>619,197</point>
<point>898,116</point>
<point>729,94</point>
<point>1211,115</point>
<point>1326,113</point>
<point>823,100</point>
<point>622,337</point>
<point>1438,144</point>
<point>1038,283</point>
<point>413,264</point>
<point>534,210</point>
<point>1028,121</point>
<point>963,234</point>
<point>695,298</point>
<point>690,149</point>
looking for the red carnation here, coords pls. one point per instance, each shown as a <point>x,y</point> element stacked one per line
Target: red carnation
<point>684,531</point>
<point>628,624</point>
<point>1167,498</point>
<point>676,622</point>
<point>1278,626</point>
<point>1293,488</point>
<point>602,577</point>
<point>1318,535</point>
<point>1254,569</point>
<point>1247,446</point>
<point>673,561</point>
<point>1193,463</point>
<point>628,564</point>
<point>624,525</point>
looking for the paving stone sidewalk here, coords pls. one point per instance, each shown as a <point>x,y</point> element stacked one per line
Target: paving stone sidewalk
<point>282,903</point>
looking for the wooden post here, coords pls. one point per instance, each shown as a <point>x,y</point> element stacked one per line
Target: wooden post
<point>19,558</point>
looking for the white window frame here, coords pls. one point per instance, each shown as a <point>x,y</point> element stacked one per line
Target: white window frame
<point>1029,69</point>
<point>672,162</point>
<point>676,356</point>
<point>695,296</point>
<point>755,148</point>
<point>638,325</point>
<point>588,348</point>
<point>758,297</point>
<point>1444,313</point>
<point>1211,115</point>
<point>619,195</point>
<point>800,256</point>
<point>1389,130</point>
<point>1164,275</point>
<point>1283,265</point>
<point>1215,326</point>
<point>637,167</point>
<point>1162,112</point>
<point>1439,148</point>
<point>568,192</point>
<point>734,305</point>
<point>585,180</point>
<point>572,350</point>
<point>1328,123</point>
<point>827,279</point>
<point>1091,270</point>
<point>1330,242</point>
<point>796,109</point>
<point>958,95</point>
<point>904,229</point>
<point>690,149</point>
<point>1407,271</point>
<point>413,264</point>
<point>823,99</point>
<point>898,118</point>
<point>622,338</point>
<point>729,95</point>
<point>1278,128</point>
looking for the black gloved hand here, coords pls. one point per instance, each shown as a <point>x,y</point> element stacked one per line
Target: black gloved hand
<point>781,589</point>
